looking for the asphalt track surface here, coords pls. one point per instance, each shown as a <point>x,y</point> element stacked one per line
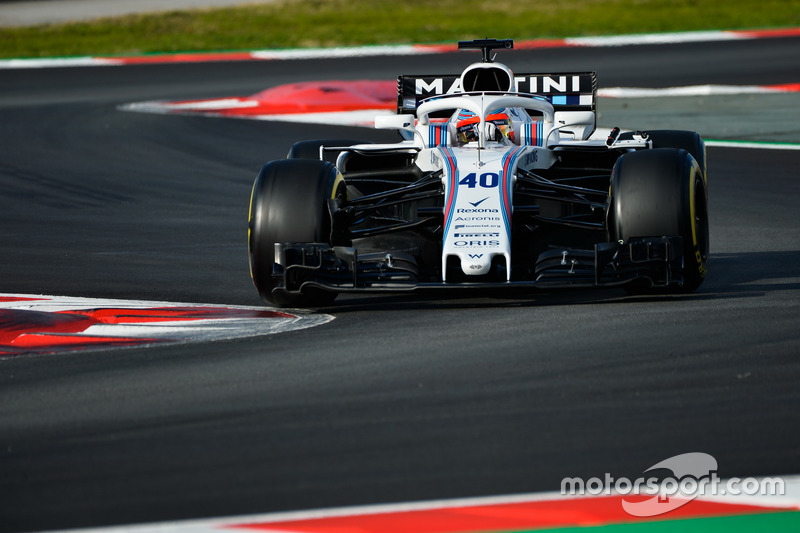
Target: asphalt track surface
<point>402,397</point>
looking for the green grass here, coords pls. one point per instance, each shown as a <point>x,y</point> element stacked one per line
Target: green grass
<point>322,23</point>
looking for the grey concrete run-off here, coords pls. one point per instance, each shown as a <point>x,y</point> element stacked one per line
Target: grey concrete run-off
<point>749,117</point>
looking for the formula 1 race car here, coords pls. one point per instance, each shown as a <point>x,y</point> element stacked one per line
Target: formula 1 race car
<point>499,180</point>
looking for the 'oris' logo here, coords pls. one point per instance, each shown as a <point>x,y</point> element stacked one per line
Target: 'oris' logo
<point>477,243</point>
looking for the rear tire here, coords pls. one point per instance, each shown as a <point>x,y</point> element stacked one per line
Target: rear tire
<point>289,203</point>
<point>687,140</point>
<point>663,192</point>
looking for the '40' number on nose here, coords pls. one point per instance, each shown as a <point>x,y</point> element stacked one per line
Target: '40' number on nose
<point>487,180</point>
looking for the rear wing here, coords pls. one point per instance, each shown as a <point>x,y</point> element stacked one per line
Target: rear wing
<point>573,91</point>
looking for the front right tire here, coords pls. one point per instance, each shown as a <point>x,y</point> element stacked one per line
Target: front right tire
<point>289,203</point>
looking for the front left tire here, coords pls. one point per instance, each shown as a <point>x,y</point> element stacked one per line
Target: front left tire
<point>663,192</point>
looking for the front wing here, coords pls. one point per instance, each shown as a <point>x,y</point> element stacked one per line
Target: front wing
<point>656,261</point>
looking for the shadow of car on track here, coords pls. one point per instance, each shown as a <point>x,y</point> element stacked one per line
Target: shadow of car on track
<point>737,275</point>
<point>493,298</point>
<point>465,299</point>
<point>754,273</point>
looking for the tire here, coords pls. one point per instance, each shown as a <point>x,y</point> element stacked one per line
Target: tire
<point>310,149</point>
<point>289,203</point>
<point>686,140</point>
<point>662,192</point>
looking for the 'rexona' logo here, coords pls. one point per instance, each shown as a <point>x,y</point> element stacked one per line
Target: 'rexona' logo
<point>477,210</point>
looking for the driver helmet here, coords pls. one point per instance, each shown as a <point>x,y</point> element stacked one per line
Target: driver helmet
<point>503,123</point>
<point>468,123</point>
<point>467,127</point>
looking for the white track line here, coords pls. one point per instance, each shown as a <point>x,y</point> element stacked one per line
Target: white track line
<point>753,145</point>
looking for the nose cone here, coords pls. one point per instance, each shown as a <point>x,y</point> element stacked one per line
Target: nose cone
<point>476,264</point>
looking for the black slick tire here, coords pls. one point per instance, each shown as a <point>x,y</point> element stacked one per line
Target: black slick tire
<point>687,140</point>
<point>662,192</point>
<point>289,203</point>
